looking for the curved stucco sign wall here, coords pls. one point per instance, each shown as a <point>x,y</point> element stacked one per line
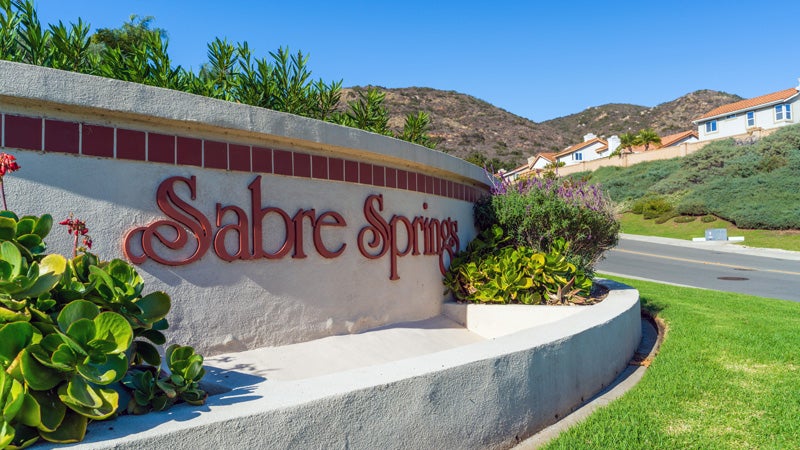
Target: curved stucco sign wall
<point>265,228</point>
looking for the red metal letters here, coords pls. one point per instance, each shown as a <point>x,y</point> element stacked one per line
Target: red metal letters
<point>189,232</point>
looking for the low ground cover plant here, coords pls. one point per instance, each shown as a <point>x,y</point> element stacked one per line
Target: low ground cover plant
<point>539,241</point>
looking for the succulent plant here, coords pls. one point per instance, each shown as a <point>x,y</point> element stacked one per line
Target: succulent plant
<point>70,332</point>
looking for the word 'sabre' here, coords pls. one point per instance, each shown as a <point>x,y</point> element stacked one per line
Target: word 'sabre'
<point>187,228</point>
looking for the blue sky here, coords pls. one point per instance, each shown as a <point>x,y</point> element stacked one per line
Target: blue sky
<point>536,59</point>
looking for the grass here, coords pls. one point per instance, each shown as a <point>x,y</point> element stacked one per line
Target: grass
<point>726,377</point>
<point>785,239</point>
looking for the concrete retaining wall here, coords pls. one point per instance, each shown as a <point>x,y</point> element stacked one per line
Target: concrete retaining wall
<point>104,149</point>
<point>485,395</point>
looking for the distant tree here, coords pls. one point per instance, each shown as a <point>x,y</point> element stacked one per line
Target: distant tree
<point>627,141</point>
<point>130,35</point>
<point>492,165</point>
<point>647,137</point>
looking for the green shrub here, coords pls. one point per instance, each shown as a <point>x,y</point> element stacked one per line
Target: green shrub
<point>137,53</point>
<point>488,272</point>
<point>663,218</point>
<point>708,219</point>
<point>654,207</point>
<point>692,207</point>
<point>685,219</point>
<point>70,330</point>
<point>536,213</point>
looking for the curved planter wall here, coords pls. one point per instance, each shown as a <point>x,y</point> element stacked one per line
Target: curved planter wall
<point>478,396</point>
<point>285,229</point>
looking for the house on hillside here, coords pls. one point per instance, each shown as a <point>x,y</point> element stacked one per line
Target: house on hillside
<point>759,113</point>
<point>591,148</point>
<point>534,166</point>
<point>671,140</point>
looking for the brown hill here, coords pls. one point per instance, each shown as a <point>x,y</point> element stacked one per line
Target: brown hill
<point>666,118</point>
<point>462,124</point>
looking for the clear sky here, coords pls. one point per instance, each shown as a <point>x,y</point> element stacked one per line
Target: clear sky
<point>536,59</point>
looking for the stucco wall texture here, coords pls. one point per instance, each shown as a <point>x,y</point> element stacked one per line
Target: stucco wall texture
<point>100,148</point>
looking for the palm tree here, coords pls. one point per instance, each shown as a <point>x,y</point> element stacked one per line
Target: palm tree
<point>627,141</point>
<point>647,137</point>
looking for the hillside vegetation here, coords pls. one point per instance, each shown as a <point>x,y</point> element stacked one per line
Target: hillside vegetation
<point>754,184</point>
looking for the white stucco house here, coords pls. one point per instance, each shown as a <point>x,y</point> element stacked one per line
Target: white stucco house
<point>534,165</point>
<point>759,113</point>
<point>591,148</point>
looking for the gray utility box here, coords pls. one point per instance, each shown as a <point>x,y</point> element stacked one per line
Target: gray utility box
<point>717,234</point>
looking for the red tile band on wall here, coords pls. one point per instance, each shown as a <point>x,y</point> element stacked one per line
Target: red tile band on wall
<point>282,162</point>
<point>335,169</point>
<point>302,165</point>
<point>190,151</point>
<point>130,144</point>
<point>378,176</point>
<point>364,173</point>
<point>60,136</point>
<point>160,148</point>
<point>319,167</point>
<point>23,132</point>
<point>351,171</point>
<point>215,155</point>
<point>402,179</point>
<point>391,177</point>
<point>262,160</point>
<point>239,156</point>
<point>412,181</point>
<point>97,140</point>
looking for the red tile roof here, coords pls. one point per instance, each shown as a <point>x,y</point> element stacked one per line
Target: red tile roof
<point>576,147</point>
<point>750,103</point>
<point>666,141</point>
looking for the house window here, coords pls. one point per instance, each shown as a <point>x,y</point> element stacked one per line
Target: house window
<point>783,112</point>
<point>711,126</point>
<point>751,119</point>
<point>578,156</point>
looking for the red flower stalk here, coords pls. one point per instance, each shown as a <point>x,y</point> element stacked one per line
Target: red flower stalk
<point>8,164</point>
<point>77,228</point>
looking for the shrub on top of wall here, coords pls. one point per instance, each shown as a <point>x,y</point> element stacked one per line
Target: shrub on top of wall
<point>537,213</point>
<point>137,53</point>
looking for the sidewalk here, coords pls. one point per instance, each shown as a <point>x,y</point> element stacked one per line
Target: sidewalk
<point>720,246</point>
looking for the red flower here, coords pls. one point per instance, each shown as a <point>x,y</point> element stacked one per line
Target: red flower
<point>8,164</point>
<point>75,226</point>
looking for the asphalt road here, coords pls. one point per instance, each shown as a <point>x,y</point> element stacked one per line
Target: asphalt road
<point>718,266</point>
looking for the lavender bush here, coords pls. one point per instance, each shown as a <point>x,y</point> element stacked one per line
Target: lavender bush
<point>536,212</point>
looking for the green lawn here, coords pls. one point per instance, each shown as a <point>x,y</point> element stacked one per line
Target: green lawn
<point>727,377</point>
<point>785,239</point>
